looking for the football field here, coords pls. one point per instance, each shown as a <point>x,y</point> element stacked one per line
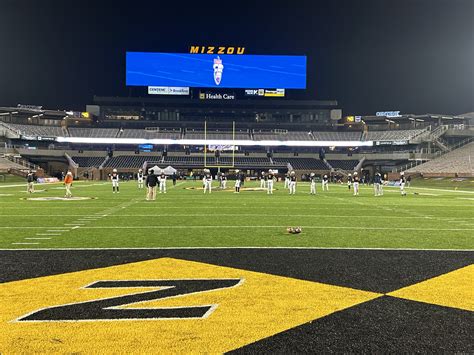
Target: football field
<point>196,273</point>
<point>185,217</point>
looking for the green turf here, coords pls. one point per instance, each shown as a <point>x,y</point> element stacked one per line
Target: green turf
<point>432,218</point>
<point>11,179</point>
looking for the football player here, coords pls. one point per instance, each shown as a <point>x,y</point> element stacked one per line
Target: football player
<point>223,181</point>
<point>349,181</point>
<point>325,183</point>
<point>207,181</point>
<point>238,181</point>
<point>162,181</point>
<point>30,182</point>
<point>140,178</point>
<point>270,178</point>
<point>287,180</point>
<point>67,184</point>
<point>115,181</point>
<point>356,183</point>
<point>377,184</point>
<point>292,183</point>
<point>262,180</point>
<point>402,184</point>
<point>312,185</point>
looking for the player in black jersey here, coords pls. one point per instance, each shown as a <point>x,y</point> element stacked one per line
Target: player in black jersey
<point>325,183</point>
<point>115,181</point>
<point>349,181</point>
<point>292,183</point>
<point>402,184</point>
<point>270,179</point>
<point>356,184</point>
<point>263,180</point>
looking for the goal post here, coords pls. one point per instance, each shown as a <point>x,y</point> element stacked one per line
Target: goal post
<point>218,165</point>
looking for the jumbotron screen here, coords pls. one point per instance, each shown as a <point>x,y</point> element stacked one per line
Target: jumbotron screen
<point>216,71</point>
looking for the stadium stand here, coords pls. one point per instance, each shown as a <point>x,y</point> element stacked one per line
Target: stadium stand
<point>215,134</point>
<point>130,161</point>
<point>285,136</point>
<point>88,161</point>
<point>396,135</point>
<point>302,163</point>
<point>149,134</point>
<point>94,132</point>
<point>458,161</point>
<point>337,136</point>
<point>41,131</point>
<point>343,164</point>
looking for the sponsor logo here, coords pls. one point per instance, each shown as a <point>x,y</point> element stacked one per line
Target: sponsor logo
<point>275,93</point>
<point>255,92</point>
<point>388,113</point>
<point>216,50</point>
<point>216,96</point>
<point>218,69</point>
<point>168,90</point>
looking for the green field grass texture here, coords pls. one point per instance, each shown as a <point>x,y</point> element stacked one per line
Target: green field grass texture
<point>427,218</point>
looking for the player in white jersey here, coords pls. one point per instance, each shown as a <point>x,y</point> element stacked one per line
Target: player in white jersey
<point>263,180</point>
<point>292,183</point>
<point>287,181</point>
<point>312,184</point>
<point>162,180</point>
<point>325,183</point>
<point>207,181</point>
<point>115,181</point>
<point>356,184</point>
<point>270,178</point>
<point>402,184</point>
<point>140,178</point>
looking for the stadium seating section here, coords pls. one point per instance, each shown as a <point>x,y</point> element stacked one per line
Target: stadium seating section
<point>460,161</point>
<point>88,161</point>
<point>343,164</point>
<point>396,135</point>
<point>41,131</point>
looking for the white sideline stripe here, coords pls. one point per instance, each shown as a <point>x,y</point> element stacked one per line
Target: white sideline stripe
<point>57,230</point>
<point>246,247</point>
<point>71,224</point>
<point>38,238</point>
<point>48,234</point>
<point>26,243</point>
<point>272,226</point>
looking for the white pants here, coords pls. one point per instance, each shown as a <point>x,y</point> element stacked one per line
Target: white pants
<point>162,186</point>
<point>270,187</point>
<point>224,183</point>
<point>325,186</point>
<point>262,183</point>
<point>313,188</point>
<point>377,189</point>
<point>140,183</point>
<point>292,187</point>
<point>402,188</point>
<point>356,188</point>
<point>381,189</point>
<point>207,186</point>
<point>287,181</point>
<point>30,187</point>
<point>68,190</point>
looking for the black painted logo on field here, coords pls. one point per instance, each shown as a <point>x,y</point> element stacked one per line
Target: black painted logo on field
<point>108,308</point>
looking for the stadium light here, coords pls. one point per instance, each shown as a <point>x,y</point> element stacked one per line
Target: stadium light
<point>203,142</point>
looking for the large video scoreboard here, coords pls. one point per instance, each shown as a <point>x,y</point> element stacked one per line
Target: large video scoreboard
<point>215,70</point>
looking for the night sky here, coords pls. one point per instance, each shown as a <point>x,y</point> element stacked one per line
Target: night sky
<point>416,56</point>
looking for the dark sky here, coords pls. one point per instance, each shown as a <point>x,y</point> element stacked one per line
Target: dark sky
<point>416,56</point>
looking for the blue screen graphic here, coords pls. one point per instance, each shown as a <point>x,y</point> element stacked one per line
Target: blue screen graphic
<point>216,71</point>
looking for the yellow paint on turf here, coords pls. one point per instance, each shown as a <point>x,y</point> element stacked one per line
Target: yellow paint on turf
<point>259,307</point>
<point>454,289</point>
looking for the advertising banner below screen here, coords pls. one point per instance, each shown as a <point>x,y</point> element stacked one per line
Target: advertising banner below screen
<point>168,90</point>
<point>216,71</point>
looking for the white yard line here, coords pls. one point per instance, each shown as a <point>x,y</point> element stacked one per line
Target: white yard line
<point>38,238</point>
<point>261,226</point>
<point>25,243</point>
<point>248,247</point>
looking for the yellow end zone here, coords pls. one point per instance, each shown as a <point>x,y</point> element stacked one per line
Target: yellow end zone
<point>259,307</point>
<point>454,289</point>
